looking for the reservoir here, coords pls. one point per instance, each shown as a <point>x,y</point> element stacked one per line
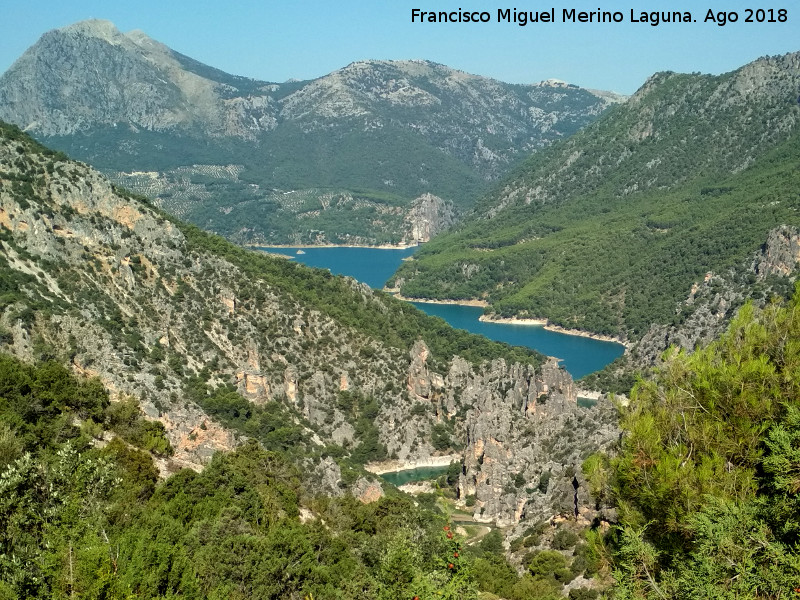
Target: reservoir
<point>373,266</point>
<point>398,478</point>
<point>579,355</point>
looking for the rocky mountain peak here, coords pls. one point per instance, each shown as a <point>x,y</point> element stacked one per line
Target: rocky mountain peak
<point>99,28</point>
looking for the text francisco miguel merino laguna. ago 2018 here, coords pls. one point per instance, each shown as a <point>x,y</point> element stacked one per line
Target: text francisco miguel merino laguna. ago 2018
<point>571,15</point>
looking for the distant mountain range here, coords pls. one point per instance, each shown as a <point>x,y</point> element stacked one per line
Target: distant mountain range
<point>231,153</point>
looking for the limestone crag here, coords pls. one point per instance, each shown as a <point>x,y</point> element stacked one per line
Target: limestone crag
<point>429,215</point>
<point>525,444</point>
<point>780,254</point>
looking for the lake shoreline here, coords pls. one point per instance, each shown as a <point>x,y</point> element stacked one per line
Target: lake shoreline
<point>512,320</point>
<point>587,334</point>
<point>528,321</point>
<point>399,296</point>
<point>546,324</point>
<point>378,247</point>
<point>393,466</point>
<point>375,266</point>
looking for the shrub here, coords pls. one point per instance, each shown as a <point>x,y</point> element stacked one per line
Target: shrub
<point>564,539</point>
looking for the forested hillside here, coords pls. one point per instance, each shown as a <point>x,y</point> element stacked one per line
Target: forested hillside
<point>609,230</point>
<point>704,481</point>
<point>220,344</point>
<point>159,308</point>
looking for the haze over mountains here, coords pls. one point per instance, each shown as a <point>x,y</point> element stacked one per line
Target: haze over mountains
<point>339,158</point>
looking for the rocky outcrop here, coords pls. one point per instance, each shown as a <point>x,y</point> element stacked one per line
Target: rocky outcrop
<point>525,441</point>
<point>429,216</point>
<point>780,254</point>
<point>713,301</point>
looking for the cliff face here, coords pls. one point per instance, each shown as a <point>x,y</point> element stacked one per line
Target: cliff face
<point>429,215</point>
<point>190,327</point>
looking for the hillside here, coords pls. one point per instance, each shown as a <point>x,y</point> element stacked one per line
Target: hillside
<point>697,498</point>
<point>84,515</point>
<point>228,152</point>
<point>706,475</point>
<point>220,344</point>
<point>614,229</point>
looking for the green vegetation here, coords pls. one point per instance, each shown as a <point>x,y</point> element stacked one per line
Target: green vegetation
<point>647,200</point>
<point>546,572</point>
<point>396,323</point>
<point>184,273</point>
<point>85,520</point>
<point>349,186</point>
<point>706,480</point>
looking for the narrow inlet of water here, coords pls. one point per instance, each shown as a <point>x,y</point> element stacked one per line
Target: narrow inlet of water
<point>579,355</point>
<point>398,478</point>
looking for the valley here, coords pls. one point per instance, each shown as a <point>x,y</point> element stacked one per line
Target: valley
<point>396,331</point>
<point>580,355</point>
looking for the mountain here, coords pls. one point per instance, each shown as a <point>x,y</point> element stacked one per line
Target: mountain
<point>687,187</point>
<point>149,345</point>
<point>336,159</point>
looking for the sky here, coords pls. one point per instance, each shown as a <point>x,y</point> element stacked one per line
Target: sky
<point>305,39</point>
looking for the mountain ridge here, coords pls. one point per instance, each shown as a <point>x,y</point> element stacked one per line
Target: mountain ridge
<point>399,129</point>
<point>608,230</point>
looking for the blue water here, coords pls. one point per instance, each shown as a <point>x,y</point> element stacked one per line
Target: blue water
<point>579,355</point>
<point>398,478</point>
<point>373,266</point>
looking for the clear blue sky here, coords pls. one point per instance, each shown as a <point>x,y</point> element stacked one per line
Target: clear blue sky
<point>276,41</point>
